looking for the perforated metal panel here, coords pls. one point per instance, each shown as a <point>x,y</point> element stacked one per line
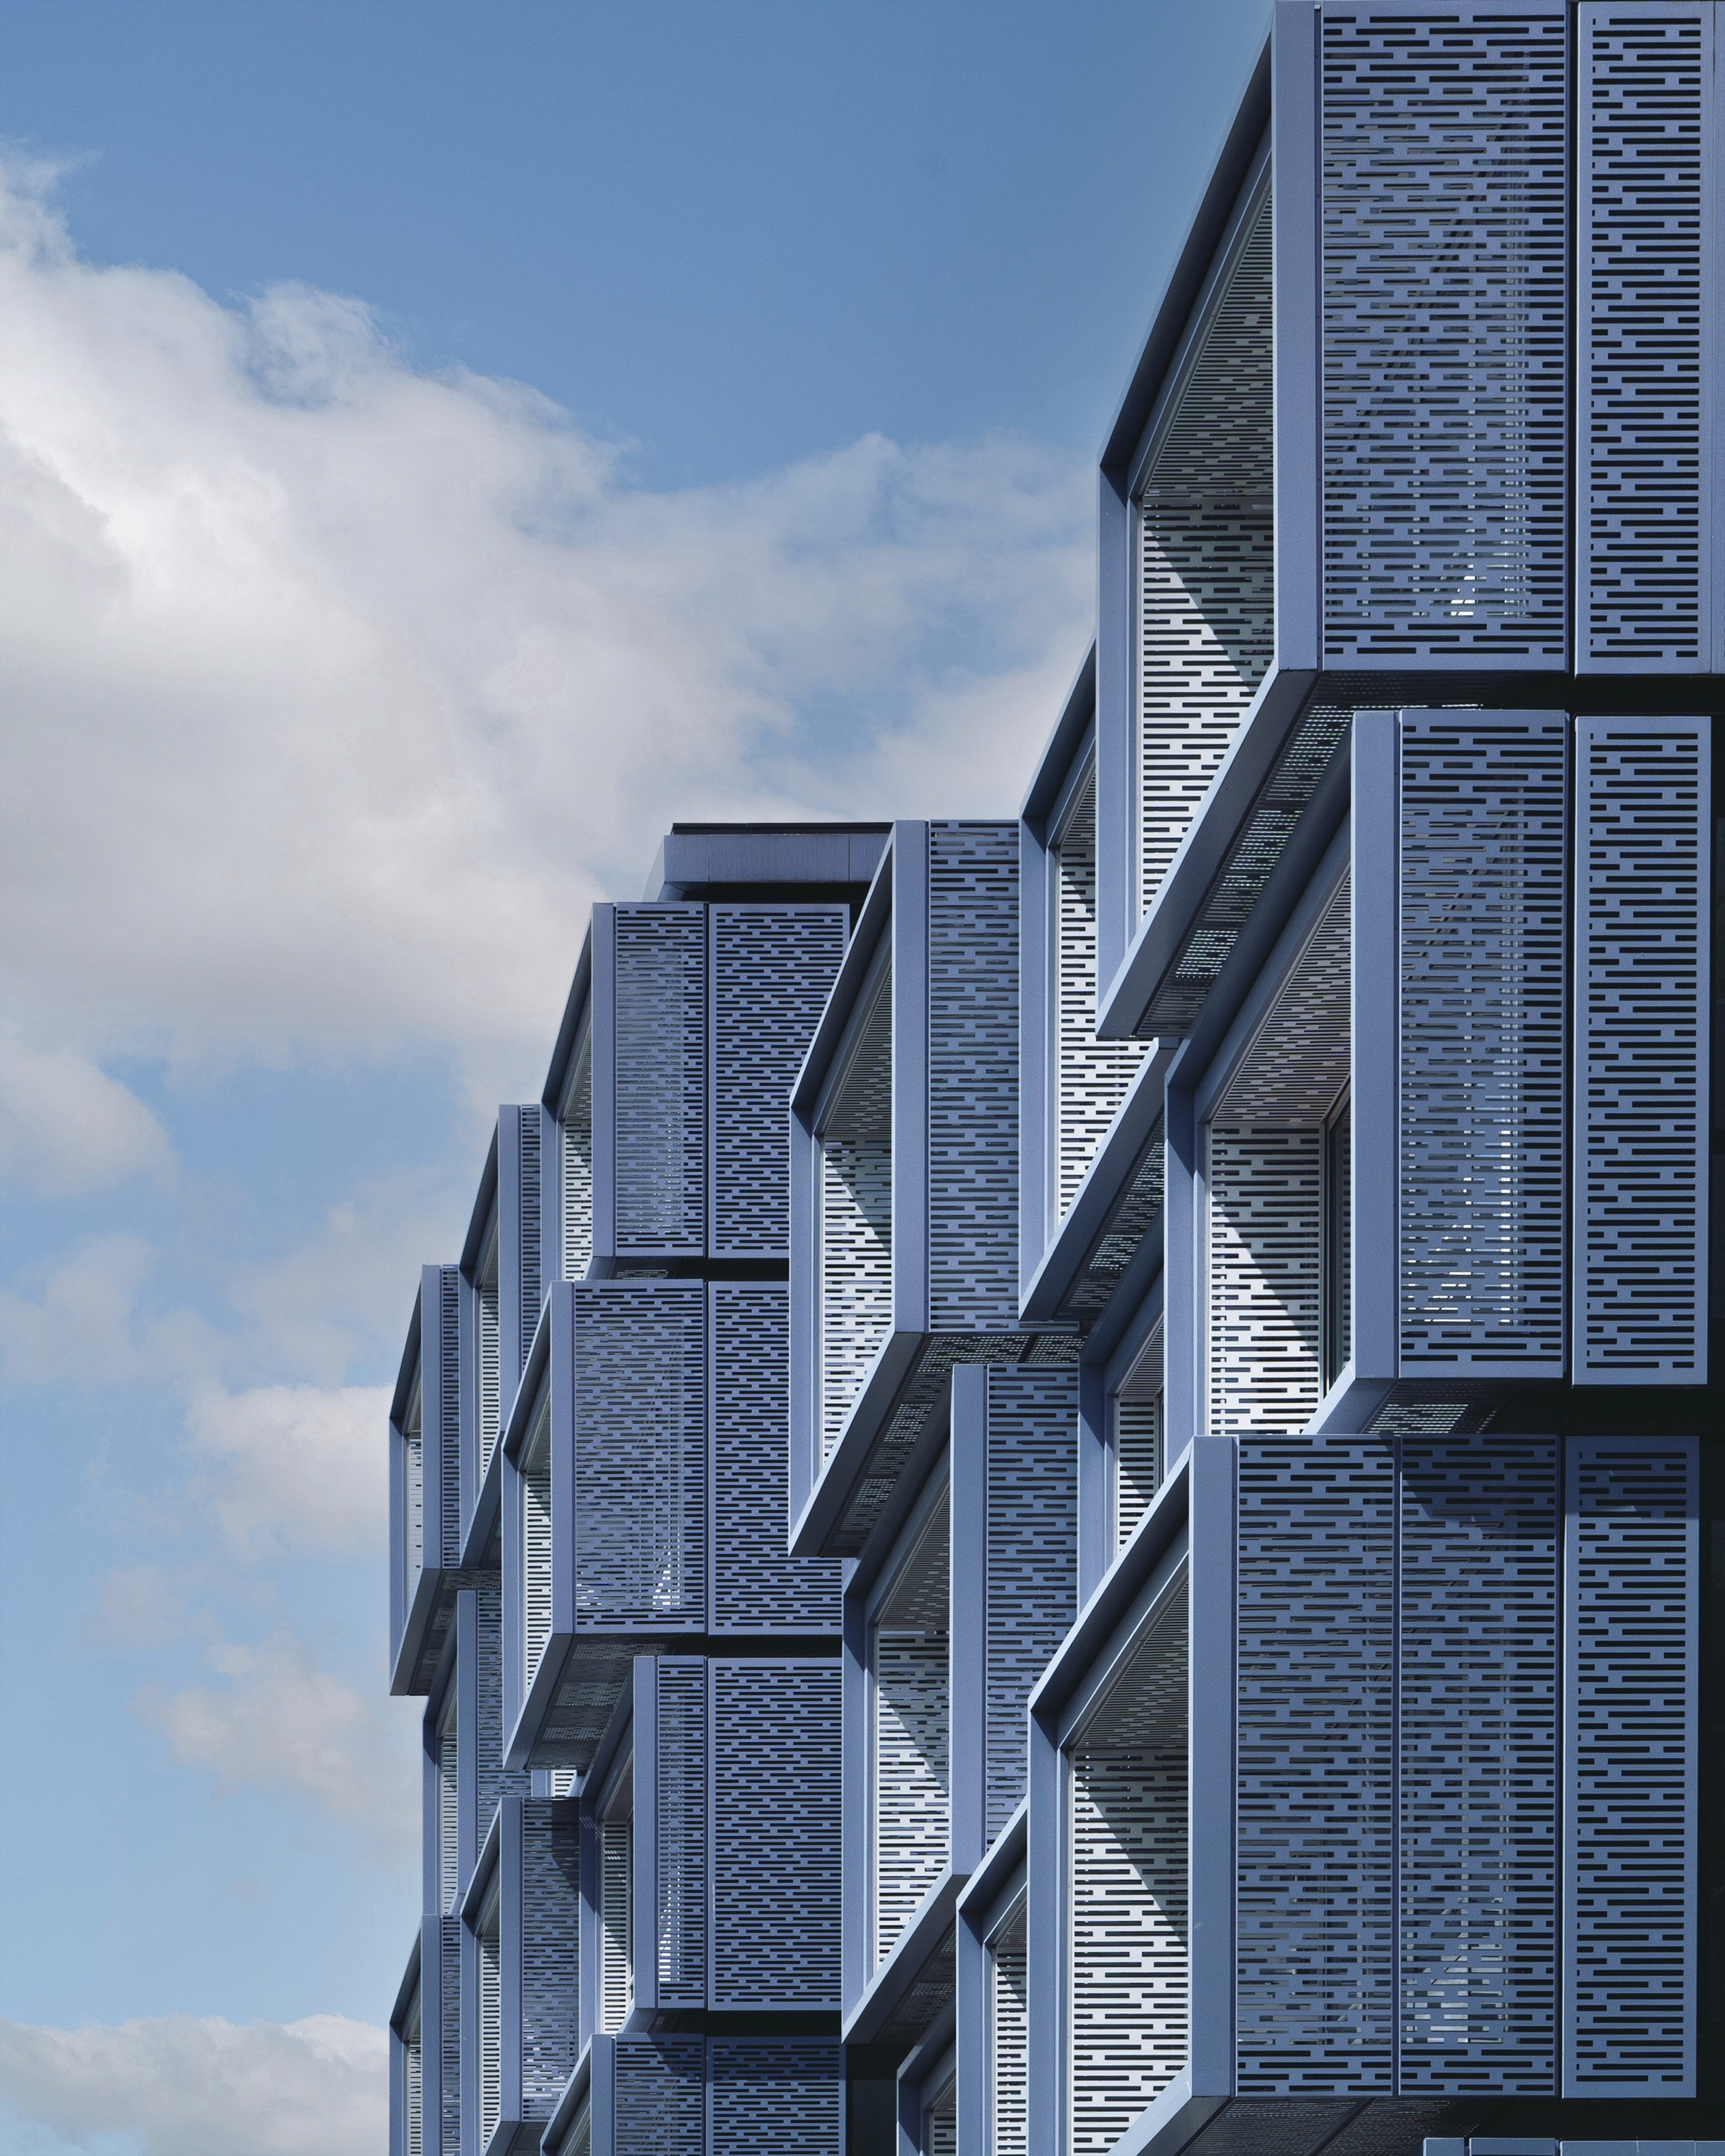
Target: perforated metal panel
<point>448,1805</point>
<point>973,1075</point>
<point>413,2091</point>
<point>550,1954</point>
<point>681,1822</point>
<point>1128,1980</point>
<point>575,1127</point>
<point>616,1916</point>
<point>490,2028</point>
<point>490,1378</point>
<point>772,967</point>
<point>1642,802</point>
<point>449,1464</point>
<point>1137,1452</point>
<point>1443,180</point>
<point>910,1670</point>
<point>855,1272</point>
<point>1265,1190</point>
<point>491,1780</point>
<point>640,1454</point>
<point>530,1217</point>
<point>1008,2040</point>
<point>414,1490</point>
<point>1480,1197</point>
<point>1476,1738</point>
<point>940,2134</point>
<point>754,1587</point>
<point>775,1834</point>
<point>1091,1075</point>
<point>1645,157</point>
<point>1315,1820</point>
<point>536,1541</point>
<point>660,2096</point>
<point>1031,1564</point>
<point>774,2093</point>
<point>448,1928</point>
<point>661,1079</point>
<point>1630,1595</point>
<point>1205,558</point>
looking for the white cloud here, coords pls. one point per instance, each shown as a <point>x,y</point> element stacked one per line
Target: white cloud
<point>83,1327</point>
<point>139,1608</point>
<point>280,1722</point>
<point>334,691</point>
<point>294,1467</point>
<point>65,1125</point>
<point>205,2088</point>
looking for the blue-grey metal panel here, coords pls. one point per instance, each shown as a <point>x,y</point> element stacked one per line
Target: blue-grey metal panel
<point>1316,1799</point>
<point>1643,811</point>
<point>1630,1659</point>
<point>521,1156</point>
<point>659,2097</point>
<point>544,1949</point>
<point>658,1013</point>
<point>770,970</point>
<point>1294,254</point>
<point>1481,1186</point>
<point>753,1586</point>
<point>773,1861</point>
<point>909,929</point>
<point>671,1828</point>
<point>1445,246</point>
<point>1374,1101</point>
<point>1476,1759</point>
<point>774,2093</point>
<point>1646,352</point>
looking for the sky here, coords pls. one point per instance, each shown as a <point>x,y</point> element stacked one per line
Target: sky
<point>439,443</point>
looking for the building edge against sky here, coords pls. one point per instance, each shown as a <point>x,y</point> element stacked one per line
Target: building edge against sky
<point>1064,1499</point>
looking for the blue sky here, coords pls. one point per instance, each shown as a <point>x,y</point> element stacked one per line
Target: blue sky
<point>438,444</point>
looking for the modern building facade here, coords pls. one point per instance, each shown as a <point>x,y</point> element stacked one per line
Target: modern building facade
<point>1065,1501</point>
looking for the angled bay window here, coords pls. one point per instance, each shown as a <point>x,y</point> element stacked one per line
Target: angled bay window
<point>904,1168</point>
<point>425,1484</point>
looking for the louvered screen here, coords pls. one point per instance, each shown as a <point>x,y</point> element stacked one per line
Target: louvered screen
<point>491,2030</point>
<point>448,1433</point>
<point>535,1488</point>
<point>1008,2040</point>
<point>755,1587</point>
<point>640,1454</point>
<point>413,2093</point>
<point>943,2129</point>
<point>1206,558</point>
<point>1444,175</point>
<point>1315,1817</point>
<point>973,1075</point>
<point>531,1226</point>
<point>1631,1594</point>
<point>616,1917</point>
<point>1265,1200</point>
<point>1642,808</point>
<point>1646,167</point>
<point>490,1397</point>
<point>911,1666</point>
<point>1091,1075</point>
<point>448,1806</point>
<point>661,1079</point>
<point>856,1214</point>
<point>449,2029</point>
<point>551,1955</point>
<point>772,967</point>
<point>680,1767</point>
<point>775,1834</point>
<point>413,1492</point>
<point>575,1131</point>
<point>1476,1736</point>
<point>1031,1563</point>
<point>1480,1201</point>
<point>1137,1458</point>
<point>775,2093</point>
<point>660,2097</point>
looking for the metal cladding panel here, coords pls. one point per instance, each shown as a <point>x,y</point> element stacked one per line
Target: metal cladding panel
<point>855,1200</point>
<point>448,1805</point>
<point>1265,1188</point>
<point>659,2096</point>
<point>490,1960</point>
<point>1480,1198</point>
<point>766,2093</point>
<point>679,1770</point>
<point>449,1935</point>
<point>1129,2005</point>
<point>1091,1077</point>
<point>1205,556</point>
<point>1476,1748</point>
<point>1646,156</point>
<point>412,2135</point>
<point>774,1839</point>
<point>487,1301</point>
<point>447,1341</point>
<point>772,968</point>
<point>1315,1826</point>
<point>1444,175</point>
<point>754,1588</point>
<point>616,1922</point>
<point>973,1075</point>
<point>910,1779</point>
<point>530,1215</point>
<point>550,1954</point>
<point>537,1543</point>
<point>1031,1560</point>
<point>660,1019</point>
<point>1008,2040</point>
<point>941,2130</point>
<point>1642,806</point>
<point>575,1149</point>
<point>640,1454</point>
<point>1631,1594</point>
<point>493,1781</point>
